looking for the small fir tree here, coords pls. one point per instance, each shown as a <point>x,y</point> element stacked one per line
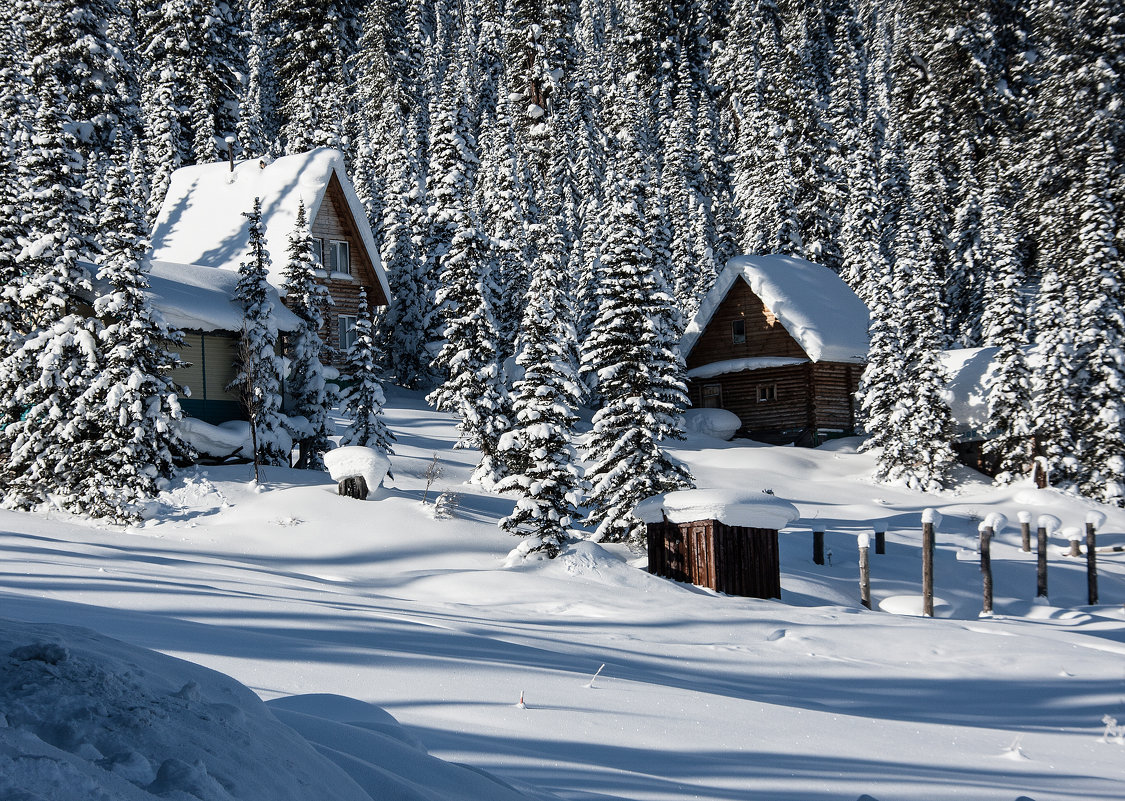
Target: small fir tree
<point>364,399</point>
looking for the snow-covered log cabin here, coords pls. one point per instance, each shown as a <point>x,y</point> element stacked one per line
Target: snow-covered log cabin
<point>201,223</point>
<point>782,343</point>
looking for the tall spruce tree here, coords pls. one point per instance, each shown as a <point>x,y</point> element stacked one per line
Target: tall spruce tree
<point>307,298</point>
<point>259,374</point>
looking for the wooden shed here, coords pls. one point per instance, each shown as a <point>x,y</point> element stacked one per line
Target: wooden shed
<point>782,343</point>
<point>722,540</point>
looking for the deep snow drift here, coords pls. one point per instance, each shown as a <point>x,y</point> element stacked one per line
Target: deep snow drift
<point>342,614</point>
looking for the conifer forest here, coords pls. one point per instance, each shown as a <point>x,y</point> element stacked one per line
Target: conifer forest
<point>553,186</point>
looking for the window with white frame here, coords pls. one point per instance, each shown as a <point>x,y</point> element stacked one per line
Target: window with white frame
<point>339,257</point>
<point>346,327</point>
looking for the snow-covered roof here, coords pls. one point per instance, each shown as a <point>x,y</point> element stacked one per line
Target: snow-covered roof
<point>811,302</point>
<point>194,298</point>
<point>739,365</point>
<point>201,219</point>
<point>730,506</point>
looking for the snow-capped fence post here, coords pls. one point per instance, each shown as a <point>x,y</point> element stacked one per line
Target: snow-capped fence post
<point>1094,520</point>
<point>818,546</point>
<point>930,519</point>
<point>1047,524</point>
<point>1025,531</point>
<point>864,570</point>
<point>880,538</point>
<point>986,568</point>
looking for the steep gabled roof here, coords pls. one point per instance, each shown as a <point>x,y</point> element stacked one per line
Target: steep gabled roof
<point>201,219</point>
<point>811,302</point>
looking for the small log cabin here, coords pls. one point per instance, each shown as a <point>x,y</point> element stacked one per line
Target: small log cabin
<point>782,343</point>
<point>201,223</point>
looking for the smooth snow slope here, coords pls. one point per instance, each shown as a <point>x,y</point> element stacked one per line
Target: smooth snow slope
<point>295,591</point>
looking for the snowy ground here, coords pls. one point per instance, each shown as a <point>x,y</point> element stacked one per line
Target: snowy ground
<point>338,612</point>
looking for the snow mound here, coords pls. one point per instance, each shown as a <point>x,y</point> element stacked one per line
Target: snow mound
<point>718,423</point>
<point>911,606</point>
<point>211,440</point>
<point>732,507</point>
<point>88,717</point>
<point>357,460</point>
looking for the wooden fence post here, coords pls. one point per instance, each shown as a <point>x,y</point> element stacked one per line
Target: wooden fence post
<point>880,538</point>
<point>818,547</point>
<point>1093,521</point>
<point>986,533</point>
<point>929,521</point>
<point>1047,524</point>
<point>1073,535</point>
<point>864,570</point>
<point>1025,531</point>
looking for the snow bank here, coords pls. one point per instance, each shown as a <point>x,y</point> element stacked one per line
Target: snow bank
<point>812,303</point>
<point>732,507</point>
<point>201,222</point>
<point>718,423</point>
<point>357,460</point>
<point>90,718</point>
<point>215,441</point>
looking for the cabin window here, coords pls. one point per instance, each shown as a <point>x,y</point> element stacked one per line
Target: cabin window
<point>712,396</point>
<point>737,331</point>
<point>767,392</point>
<point>339,257</point>
<point>346,323</point>
<point>318,250</point>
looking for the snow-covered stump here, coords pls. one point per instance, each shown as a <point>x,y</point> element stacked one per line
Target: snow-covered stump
<point>864,570</point>
<point>724,540</point>
<point>1073,535</point>
<point>1093,521</point>
<point>818,546</point>
<point>356,469</point>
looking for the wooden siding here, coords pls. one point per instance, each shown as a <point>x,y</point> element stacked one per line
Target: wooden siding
<point>732,559</point>
<point>810,397</point>
<point>334,221</point>
<point>765,336</point>
<point>211,367</point>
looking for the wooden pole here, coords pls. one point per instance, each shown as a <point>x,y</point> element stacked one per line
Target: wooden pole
<point>928,568</point>
<point>818,547</point>
<point>986,568</point>
<point>1041,561</point>
<point>1074,536</point>
<point>1025,531</point>
<point>881,538</point>
<point>1091,563</point>
<point>864,571</point>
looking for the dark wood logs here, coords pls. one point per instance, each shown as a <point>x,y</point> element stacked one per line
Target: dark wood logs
<point>735,560</point>
<point>1091,564</point>
<point>986,533</point>
<point>1041,563</point>
<point>354,487</point>
<point>928,569</point>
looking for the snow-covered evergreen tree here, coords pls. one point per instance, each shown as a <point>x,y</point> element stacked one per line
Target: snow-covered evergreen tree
<point>364,398</point>
<point>307,298</point>
<point>538,450</point>
<point>259,375</point>
<point>127,439</point>
<point>638,369</point>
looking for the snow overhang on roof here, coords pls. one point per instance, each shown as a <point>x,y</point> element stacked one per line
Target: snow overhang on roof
<point>194,298</point>
<point>811,302</point>
<point>201,220</point>
<point>729,506</point>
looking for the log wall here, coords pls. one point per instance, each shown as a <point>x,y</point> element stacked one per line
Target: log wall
<point>735,560</point>
<point>765,336</point>
<point>334,221</point>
